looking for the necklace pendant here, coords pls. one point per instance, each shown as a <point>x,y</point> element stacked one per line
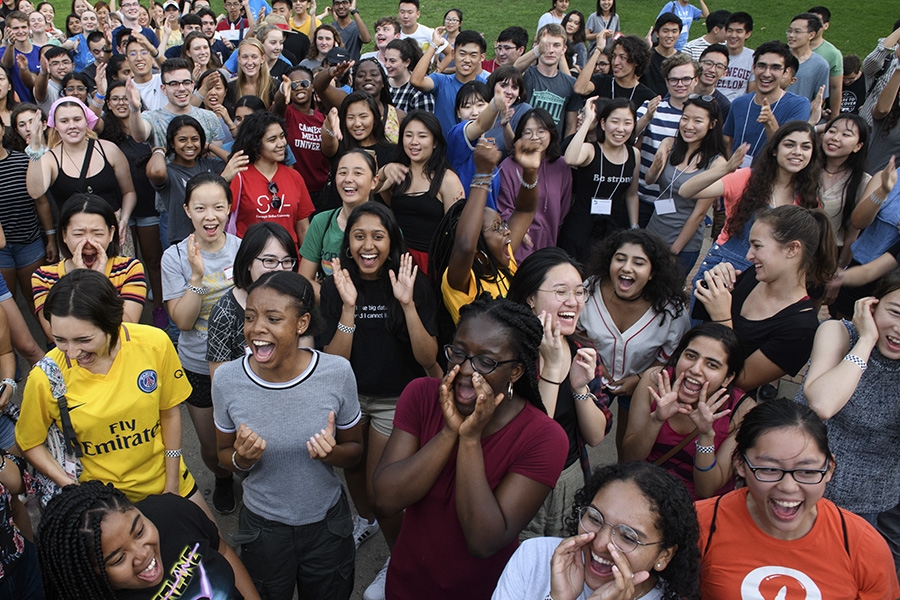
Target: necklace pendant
<point>90,190</point>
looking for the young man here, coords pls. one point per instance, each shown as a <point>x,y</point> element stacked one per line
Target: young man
<point>548,87</point>
<point>510,45</point>
<point>813,71</point>
<point>740,59</point>
<point>832,55</point>
<point>350,25</point>
<point>755,116</point>
<point>56,63</point>
<point>713,64</point>
<point>130,11</point>
<point>16,35</point>
<point>141,62</point>
<point>239,21</point>
<point>467,54</point>
<point>302,20</point>
<point>387,29</point>
<point>687,14</point>
<point>854,85</point>
<point>187,24</point>
<point>715,34</point>
<point>399,55</point>
<point>221,48</point>
<point>408,12</point>
<point>667,29</point>
<point>101,50</point>
<point>680,73</point>
<point>629,59</point>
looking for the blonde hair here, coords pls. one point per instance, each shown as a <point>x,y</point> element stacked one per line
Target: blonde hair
<point>263,81</point>
<point>53,137</point>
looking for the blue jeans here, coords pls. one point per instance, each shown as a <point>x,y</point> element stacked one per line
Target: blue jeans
<point>730,252</point>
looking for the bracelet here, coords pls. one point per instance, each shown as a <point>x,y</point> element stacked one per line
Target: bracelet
<point>542,378</point>
<point>346,328</point>
<point>588,396</point>
<point>173,453</point>
<point>50,232</point>
<point>99,96</point>
<point>35,155</point>
<point>433,45</point>
<point>850,357</point>
<point>876,200</point>
<point>527,186</point>
<point>704,449</point>
<point>11,383</point>
<point>328,131</point>
<point>354,12</point>
<point>635,226</point>
<point>197,290</point>
<point>96,102</point>
<point>159,150</point>
<point>199,95</point>
<point>237,466</point>
<point>709,468</point>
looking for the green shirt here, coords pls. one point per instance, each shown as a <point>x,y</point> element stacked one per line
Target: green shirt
<point>834,57</point>
<point>322,242</point>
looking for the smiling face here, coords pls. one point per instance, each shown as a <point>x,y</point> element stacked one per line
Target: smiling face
<point>370,245</point>
<point>216,93</point>
<point>118,103</point>
<point>20,30</point>
<point>409,15</point>
<point>629,271</point>
<point>178,87</point>
<point>471,107</point>
<point>208,210</point>
<point>272,249</point>
<point>139,60</point>
<point>506,53</point>
<point>199,51</point>
<point>89,22</point>
<point>60,66</point>
<point>208,26</point>
<point>48,12</point>
<point>384,34</point>
<point>324,41</point>
<point>563,277</point>
<point>367,78</point>
<point>621,64</point>
<point>186,144</point>
<point>468,58</point>
<point>712,67</point>
<point>272,327</point>
<point>785,510</point>
<point>273,44</point>
<point>695,123</point>
<point>535,129</point>
<point>354,180</point>
<point>887,319</point>
<point>668,35</point>
<point>301,96</point>
<point>274,143</point>
<point>143,16</point>
<point>4,83</point>
<point>418,142</point>
<point>249,60</point>
<point>799,34</point>
<point>510,90</point>
<point>736,35</point>
<point>70,123</point>
<point>794,152</point>
<point>37,22</point>
<point>769,69</point>
<point>394,63</point>
<point>131,555</point>
<point>79,6</point>
<point>452,21</point>
<point>841,139</point>
<point>623,503</point>
<point>705,360</point>
<point>81,341</point>
<point>360,121</point>
<point>767,255</point>
<point>681,81</point>
<point>618,126</point>
<point>87,226</point>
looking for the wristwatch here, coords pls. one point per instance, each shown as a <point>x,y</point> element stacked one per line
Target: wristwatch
<point>354,12</point>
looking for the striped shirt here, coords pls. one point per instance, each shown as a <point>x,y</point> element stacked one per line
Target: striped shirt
<point>126,274</point>
<point>17,211</point>
<point>663,125</point>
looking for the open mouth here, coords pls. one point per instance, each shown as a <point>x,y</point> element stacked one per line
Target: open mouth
<point>785,510</point>
<point>893,343</point>
<point>89,259</point>
<point>566,317</point>
<point>691,386</point>
<point>464,393</point>
<point>211,230</point>
<point>625,283</point>
<point>601,567</point>
<point>262,350</point>
<point>151,572</point>
<point>368,261</point>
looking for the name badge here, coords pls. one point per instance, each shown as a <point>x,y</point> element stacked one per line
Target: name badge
<point>664,206</point>
<point>747,162</point>
<point>229,273</point>
<point>601,206</point>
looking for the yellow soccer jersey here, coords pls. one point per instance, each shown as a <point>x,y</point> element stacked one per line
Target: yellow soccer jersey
<point>116,415</point>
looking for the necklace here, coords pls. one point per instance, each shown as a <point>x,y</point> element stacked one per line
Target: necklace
<point>832,174</point>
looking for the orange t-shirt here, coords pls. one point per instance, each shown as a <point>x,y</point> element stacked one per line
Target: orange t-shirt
<point>741,561</point>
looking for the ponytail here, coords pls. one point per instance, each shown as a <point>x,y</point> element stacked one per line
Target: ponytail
<point>812,229</point>
<point>824,261</point>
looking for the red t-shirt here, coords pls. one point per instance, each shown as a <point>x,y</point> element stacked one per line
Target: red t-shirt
<point>430,559</point>
<point>304,134</point>
<point>741,561</point>
<point>253,201</point>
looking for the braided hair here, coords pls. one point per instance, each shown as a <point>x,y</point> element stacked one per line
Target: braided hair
<point>70,552</point>
<point>524,331</point>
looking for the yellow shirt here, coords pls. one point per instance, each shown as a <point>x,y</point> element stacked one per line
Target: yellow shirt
<point>455,299</point>
<point>126,274</point>
<point>116,415</point>
<point>307,28</point>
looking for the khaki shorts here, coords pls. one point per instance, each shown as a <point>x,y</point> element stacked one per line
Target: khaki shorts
<point>379,412</point>
<point>550,519</point>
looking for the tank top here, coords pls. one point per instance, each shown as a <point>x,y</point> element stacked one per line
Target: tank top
<point>604,179</point>
<point>418,216</point>
<point>103,184</point>
<point>669,226</point>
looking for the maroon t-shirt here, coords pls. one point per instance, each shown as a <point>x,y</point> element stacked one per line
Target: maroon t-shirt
<point>431,559</point>
<point>254,202</point>
<point>304,134</point>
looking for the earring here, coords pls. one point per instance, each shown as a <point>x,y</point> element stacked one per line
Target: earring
<point>509,391</point>
<point>347,252</point>
<point>659,566</point>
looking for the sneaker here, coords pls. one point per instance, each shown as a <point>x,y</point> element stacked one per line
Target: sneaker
<point>363,530</point>
<point>160,318</point>
<point>375,591</point>
<point>223,495</point>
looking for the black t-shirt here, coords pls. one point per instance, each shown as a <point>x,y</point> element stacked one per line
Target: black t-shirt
<point>606,86</point>
<point>278,69</point>
<point>785,338</point>
<point>603,179</point>
<point>296,46</point>
<point>654,78</point>
<point>566,415</point>
<point>189,545</point>
<point>853,96</point>
<point>382,362</point>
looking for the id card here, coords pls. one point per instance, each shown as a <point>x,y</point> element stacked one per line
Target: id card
<point>229,273</point>
<point>601,206</point>
<point>664,206</point>
<point>747,162</point>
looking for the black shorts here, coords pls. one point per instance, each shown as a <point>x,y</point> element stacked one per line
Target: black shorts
<point>201,394</point>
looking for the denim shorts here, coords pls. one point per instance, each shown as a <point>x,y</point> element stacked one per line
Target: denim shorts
<point>18,256</point>
<point>144,221</point>
<point>5,294</point>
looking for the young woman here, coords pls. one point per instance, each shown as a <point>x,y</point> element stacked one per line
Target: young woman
<point>550,284</point>
<point>400,59</point>
<point>243,108</point>
<point>649,550</point>
<point>73,26</point>
<point>453,19</point>
<point>197,49</point>
<point>7,98</point>
<point>118,68</point>
<point>376,303</point>
<point>556,13</point>
<point>786,172</point>
<point>79,86</point>
<point>780,518</point>
<point>212,86</point>
<point>768,306</point>
<point>473,251</point>
<point>272,39</point>
<point>606,177</point>
<point>576,46</point>
<point>253,76</point>
<point>290,444</point>
<point>196,273</point>
<point>677,415</point>
<point>90,240</point>
<point>263,142</point>
<point>18,135</point>
<point>163,535</point>
<point>325,38</point>
<point>554,189</point>
<point>604,17</point>
<point>636,314</point>
<point>419,185</point>
<point>368,76</point>
<point>462,459</point>
<point>265,247</point>
<point>697,146</point>
<point>126,375</point>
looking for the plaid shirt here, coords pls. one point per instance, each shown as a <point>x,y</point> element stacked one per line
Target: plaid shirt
<point>407,98</point>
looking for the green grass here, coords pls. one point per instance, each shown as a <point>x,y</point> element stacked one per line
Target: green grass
<point>855,26</point>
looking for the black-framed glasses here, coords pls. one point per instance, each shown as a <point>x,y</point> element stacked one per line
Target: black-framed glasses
<point>300,85</point>
<point>275,202</point>
<point>481,363</point>
<point>188,83</point>
<point>774,474</point>
<point>562,293</point>
<point>681,80</point>
<point>623,537</point>
<point>270,262</point>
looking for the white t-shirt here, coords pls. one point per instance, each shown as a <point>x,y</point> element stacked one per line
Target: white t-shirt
<point>422,35</point>
<point>151,93</point>
<point>737,75</point>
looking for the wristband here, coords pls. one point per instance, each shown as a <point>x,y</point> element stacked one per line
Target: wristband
<point>876,200</point>
<point>173,453</point>
<point>588,396</point>
<point>11,383</point>
<point>159,151</point>
<point>704,449</point>
<point>433,45</point>
<point>527,186</point>
<point>197,290</point>
<point>346,329</point>
<point>850,357</point>
<point>709,468</point>
<point>99,96</point>
<point>199,95</point>
<point>237,466</point>
<point>354,12</point>
<point>35,154</point>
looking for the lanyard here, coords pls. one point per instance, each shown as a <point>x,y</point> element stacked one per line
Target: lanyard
<point>621,175</point>
<point>612,85</point>
<point>752,151</point>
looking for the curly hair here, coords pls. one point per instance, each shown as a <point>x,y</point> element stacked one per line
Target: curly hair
<point>70,552</point>
<point>524,332</point>
<point>638,52</point>
<point>676,520</point>
<point>252,131</point>
<point>758,192</point>
<point>664,290</point>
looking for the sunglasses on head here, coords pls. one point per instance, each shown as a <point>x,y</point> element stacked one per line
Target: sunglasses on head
<point>275,202</point>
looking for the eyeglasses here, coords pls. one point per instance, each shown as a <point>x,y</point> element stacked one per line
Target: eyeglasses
<point>118,99</point>
<point>681,80</point>
<point>562,294</point>
<point>709,64</point>
<point>268,262</point>
<point>497,227</point>
<point>796,31</point>
<point>482,364</point>
<point>59,63</point>
<point>767,67</point>
<point>300,85</point>
<point>451,20</point>
<point>73,89</point>
<point>623,537</point>
<point>232,4</point>
<point>504,48</point>
<point>141,53</point>
<point>188,83</point>
<point>535,135</point>
<point>774,474</point>
<point>275,202</point>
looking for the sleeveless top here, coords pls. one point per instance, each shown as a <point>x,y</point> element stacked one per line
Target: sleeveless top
<point>669,226</point>
<point>604,179</point>
<point>103,184</point>
<point>418,216</point>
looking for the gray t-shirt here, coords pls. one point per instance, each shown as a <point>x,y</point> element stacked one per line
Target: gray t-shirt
<point>286,485</point>
<point>882,145</point>
<point>668,226</point>
<point>170,195</point>
<point>596,23</point>
<point>159,121</point>
<point>218,278</point>
<point>812,74</point>
<point>556,95</point>
<point>350,37</point>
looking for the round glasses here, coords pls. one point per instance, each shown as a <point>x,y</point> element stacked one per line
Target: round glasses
<point>482,364</point>
<point>563,294</point>
<point>774,474</point>
<point>623,537</point>
<point>269,262</point>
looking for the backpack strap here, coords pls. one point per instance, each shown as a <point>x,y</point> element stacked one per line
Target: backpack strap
<point>58,391</point>
<point>844,530</point>
<point>712,525</point>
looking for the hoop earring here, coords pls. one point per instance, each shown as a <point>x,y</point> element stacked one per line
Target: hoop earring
<point>509,390</point>
<point>347,252</point>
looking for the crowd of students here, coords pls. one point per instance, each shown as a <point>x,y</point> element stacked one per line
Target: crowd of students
<point>435,273</point>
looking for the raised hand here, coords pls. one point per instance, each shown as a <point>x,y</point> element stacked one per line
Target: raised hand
<point>815,109</point>
<point>100,78</point>
<point>339,70</point>
<point>666,397</point>
<point>652,105</point>
<point>134,95</point>
<point>737,159</point>
<point>567,567</point>
<point>584,368</point>
<point>249,446</point>
<point>195,259</point>
<point>286,88</point>
<point>485,405</point>
<point>37,132</point>
<point>446,396</point>
<point>527,153</point>
<point>322,444</point>
<point>704,414</point>
<point>343,283</point>
<point>486,156</point>
<point>590,108</point>
<point>553,347</point>
<point>22,62</point>
<point>437,36</point>
<point>404,281</point>
<point>888,176</point>
<point>238,163</point>
<point>394,173</point>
